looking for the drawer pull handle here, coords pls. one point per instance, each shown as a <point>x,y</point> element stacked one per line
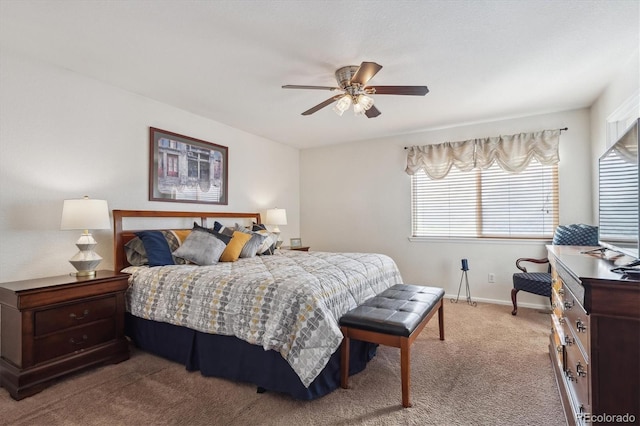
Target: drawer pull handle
<point>78,342</point>
<point>568,305</point>
<point>559,348</point>
<point>568,340</point>
<point>582,372</point>
<point>569,375</point>
<point>77,318</point>
<point>561,291</point>
<point>562,320</point>
<point>582,327</point>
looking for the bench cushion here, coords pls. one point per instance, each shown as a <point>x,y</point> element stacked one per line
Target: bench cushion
<point>396,311</point>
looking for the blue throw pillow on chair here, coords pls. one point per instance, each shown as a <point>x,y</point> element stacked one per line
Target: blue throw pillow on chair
<point>576,235</point>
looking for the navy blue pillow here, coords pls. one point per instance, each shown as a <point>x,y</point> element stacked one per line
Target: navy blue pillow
<point>157,248</point>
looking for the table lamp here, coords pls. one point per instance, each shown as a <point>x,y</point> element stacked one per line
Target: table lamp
<point>85,214</point>
<point>276,217</point>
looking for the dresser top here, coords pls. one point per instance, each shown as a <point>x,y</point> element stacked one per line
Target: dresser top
<point>594,266</point>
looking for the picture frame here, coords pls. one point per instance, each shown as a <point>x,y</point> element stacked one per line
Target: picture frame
<point>295,242</point>
<point>187,170</point>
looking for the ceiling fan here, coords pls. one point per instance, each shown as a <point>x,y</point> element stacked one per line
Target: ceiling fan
<point>352,80</point>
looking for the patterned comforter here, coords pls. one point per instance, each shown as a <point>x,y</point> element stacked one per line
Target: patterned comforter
<point>289,302</point>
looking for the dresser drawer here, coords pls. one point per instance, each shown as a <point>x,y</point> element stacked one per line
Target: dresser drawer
<point>71,315</point>
<point>73,340</point>
<point>557,344</point>
<point>577,320</point>
<point>577,377</point>
<point>557,304</point>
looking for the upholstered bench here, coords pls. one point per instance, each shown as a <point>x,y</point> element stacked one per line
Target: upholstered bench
<point>394,318</point>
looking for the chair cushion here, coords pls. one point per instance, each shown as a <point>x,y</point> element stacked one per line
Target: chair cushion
<point>576,235</point>
<point>533,282</point>
<point>397,311</point>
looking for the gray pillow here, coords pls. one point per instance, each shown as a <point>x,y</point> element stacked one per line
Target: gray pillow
<point>251,247</point>
<point>201,248</point>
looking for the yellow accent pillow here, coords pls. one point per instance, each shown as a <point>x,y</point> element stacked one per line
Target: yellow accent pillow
<point>232,252</point>
<point>182,234</point>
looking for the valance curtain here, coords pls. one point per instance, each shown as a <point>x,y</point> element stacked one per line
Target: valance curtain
<point>512,153</point>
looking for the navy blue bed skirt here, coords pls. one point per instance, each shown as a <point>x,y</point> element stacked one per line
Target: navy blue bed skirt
<point>231,358</point>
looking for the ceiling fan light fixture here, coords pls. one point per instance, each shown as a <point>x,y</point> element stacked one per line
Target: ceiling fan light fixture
<point>343,104</point>
<point>358,109</point>
<point>365,101</point>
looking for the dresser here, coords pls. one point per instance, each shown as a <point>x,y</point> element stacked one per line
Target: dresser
<point>595,337</point>
<point>53,326</point>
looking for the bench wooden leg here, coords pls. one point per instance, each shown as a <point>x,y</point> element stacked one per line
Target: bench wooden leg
<point>344,359</point>
<point>405,370</point>
<point>441,320</point>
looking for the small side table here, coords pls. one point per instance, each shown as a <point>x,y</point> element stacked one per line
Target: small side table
<point>304,248</point>
<point>57,325</point>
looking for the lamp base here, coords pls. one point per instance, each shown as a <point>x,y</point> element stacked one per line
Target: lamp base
<point>86,260</point>
<point>84,273</point>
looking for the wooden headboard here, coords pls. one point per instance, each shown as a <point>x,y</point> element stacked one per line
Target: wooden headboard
<point>122,236</point>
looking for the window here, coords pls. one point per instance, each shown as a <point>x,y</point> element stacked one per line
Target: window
<point>491,203</point>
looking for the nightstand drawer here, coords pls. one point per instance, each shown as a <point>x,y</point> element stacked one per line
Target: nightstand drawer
<point>63,317</point>
<point>74,339</point>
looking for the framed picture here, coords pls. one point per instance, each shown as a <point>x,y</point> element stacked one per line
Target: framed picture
<point>295,242</point>
<point>187,170</point>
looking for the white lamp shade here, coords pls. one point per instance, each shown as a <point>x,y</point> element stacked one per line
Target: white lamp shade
<point>276,217</point>
<point>85,213</point>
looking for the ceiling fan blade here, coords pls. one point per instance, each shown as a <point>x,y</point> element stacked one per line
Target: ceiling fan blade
<point>365,73</point>
<point>372,112</point>
<point>322,105</point>
<point>400,90</point>
<point>293,86</point>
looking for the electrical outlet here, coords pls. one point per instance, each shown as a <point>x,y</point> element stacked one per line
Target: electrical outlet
<point>492,277</point>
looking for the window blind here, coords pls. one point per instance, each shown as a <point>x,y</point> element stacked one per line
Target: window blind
<point>618,198</point>
<point>490,203</point>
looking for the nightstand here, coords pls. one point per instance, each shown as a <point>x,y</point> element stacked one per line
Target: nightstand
<point>306,248</point>
<point>57,325</point>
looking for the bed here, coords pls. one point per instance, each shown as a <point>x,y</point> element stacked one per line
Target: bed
<point>270,320</point>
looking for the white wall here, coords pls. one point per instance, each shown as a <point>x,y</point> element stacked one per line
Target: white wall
<point>63,135</point>
<point>356,197</point>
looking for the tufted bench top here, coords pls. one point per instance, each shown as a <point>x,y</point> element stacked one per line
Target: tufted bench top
<point>398,310</point>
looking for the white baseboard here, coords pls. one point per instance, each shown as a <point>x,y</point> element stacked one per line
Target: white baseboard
<point>463,299</point>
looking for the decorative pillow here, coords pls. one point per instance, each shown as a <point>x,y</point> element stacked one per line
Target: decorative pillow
<point>258,227</point>
<point>137,255</point>
<point>251,247</point>
<point>135,252</point>
<point>227,231</point>
<point>156,248</point>
<point>182,234</point>
<point>576,235</point>
<point>232,252</point>
<point>268,246</point>
<point>201,248</point>
<point>224,238</point>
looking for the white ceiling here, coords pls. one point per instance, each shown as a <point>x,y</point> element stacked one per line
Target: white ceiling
<point>227,60</point>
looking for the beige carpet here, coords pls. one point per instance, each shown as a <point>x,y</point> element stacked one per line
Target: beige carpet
<point>492,369</point>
